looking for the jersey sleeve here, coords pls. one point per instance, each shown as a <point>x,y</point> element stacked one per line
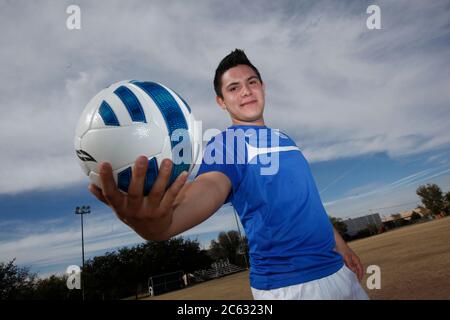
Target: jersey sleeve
<point>220,159</point>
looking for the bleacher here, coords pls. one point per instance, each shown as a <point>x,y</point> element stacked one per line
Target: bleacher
<point>217,270</point>
<point>167,282</point>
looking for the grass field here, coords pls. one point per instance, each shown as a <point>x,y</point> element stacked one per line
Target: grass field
<point>414,263</point>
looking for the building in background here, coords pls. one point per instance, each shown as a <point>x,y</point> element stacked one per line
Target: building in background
<point>423,212</point>
<point>354,225</point>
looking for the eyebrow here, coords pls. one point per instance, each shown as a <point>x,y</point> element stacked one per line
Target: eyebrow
<point>248,79</point>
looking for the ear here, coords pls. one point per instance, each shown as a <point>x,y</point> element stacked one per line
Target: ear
<point>221,103</point>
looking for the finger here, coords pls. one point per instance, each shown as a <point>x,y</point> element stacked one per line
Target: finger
<point>348,262</point>
<point>109,188</point>
<point>360,269</point>
<point>171,194</point>
<point>356,266</point>
<point>97,192</point>
<point>136,187</point>
<point>159,187</point>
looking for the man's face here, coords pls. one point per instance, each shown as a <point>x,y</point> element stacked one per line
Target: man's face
<point>243,96</point>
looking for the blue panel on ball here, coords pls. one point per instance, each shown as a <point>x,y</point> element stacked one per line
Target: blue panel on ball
<point>172,114</point>
<point>108,116</point>
<point>124,179</point>
<point>132,104</point>
<point>150,176</point>
<point>185,103</point>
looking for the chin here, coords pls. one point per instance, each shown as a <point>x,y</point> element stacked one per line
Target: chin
<point>252,114</point>
<point>251,119</point>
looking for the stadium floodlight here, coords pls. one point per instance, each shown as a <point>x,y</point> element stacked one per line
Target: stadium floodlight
<point>81,211</point>
<point>241,245</point>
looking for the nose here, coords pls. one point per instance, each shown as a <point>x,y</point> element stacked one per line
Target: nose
<point>245,90</point>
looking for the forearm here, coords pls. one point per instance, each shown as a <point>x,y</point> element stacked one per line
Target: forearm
<point>195,203</point>
<point>155,229</point>
<point>340,242</point>
<point>198,201</point>
<point>351,260</point>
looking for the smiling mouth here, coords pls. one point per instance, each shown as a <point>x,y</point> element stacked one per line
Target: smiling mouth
<point>250,102</point>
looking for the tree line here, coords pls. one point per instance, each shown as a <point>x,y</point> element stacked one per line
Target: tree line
<point>125,272</point>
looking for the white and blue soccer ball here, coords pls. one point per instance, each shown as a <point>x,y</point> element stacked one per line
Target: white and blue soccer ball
<point>133,118</point>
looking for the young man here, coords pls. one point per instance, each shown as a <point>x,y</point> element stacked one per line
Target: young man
<point>295,253</point>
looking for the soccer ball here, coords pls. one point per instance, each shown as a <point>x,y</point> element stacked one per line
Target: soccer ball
<point>133,118</point>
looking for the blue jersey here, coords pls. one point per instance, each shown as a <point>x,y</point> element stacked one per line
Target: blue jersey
<point>291,239</point>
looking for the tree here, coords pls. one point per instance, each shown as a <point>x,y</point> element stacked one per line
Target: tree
<point>228,246</point>
<point>126,272</point>
<point>55,288</point>
<point>339,225</point>
<point>415,217</point>
<point>16,283</point>
<point>192,258</point>
<point>447,203</point>
<point>104,277</point>
<point>112,276</point>
<point>432,198</point>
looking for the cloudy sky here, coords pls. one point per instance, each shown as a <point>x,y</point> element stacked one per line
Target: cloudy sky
<point>369,108</point>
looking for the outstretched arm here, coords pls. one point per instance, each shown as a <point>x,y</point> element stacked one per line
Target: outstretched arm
<point>351,260</point>
<point>163,213</point>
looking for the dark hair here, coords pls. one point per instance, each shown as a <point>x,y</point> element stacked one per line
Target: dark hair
<point>232,60</point>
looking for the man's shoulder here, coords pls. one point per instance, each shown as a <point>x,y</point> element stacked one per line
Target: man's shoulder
<point>218,138</point>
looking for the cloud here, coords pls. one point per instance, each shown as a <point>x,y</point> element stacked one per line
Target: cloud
<point>373,196</point>
<point>339,178</point>
<point>339,89</point>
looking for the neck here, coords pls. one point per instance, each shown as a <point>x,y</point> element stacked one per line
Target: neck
<point>259,122</point>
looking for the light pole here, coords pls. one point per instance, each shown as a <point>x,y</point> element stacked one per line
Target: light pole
<point>240,237</point>
<point>81,211</point>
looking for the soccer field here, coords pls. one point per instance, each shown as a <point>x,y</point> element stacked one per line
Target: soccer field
<point>414,263</point>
